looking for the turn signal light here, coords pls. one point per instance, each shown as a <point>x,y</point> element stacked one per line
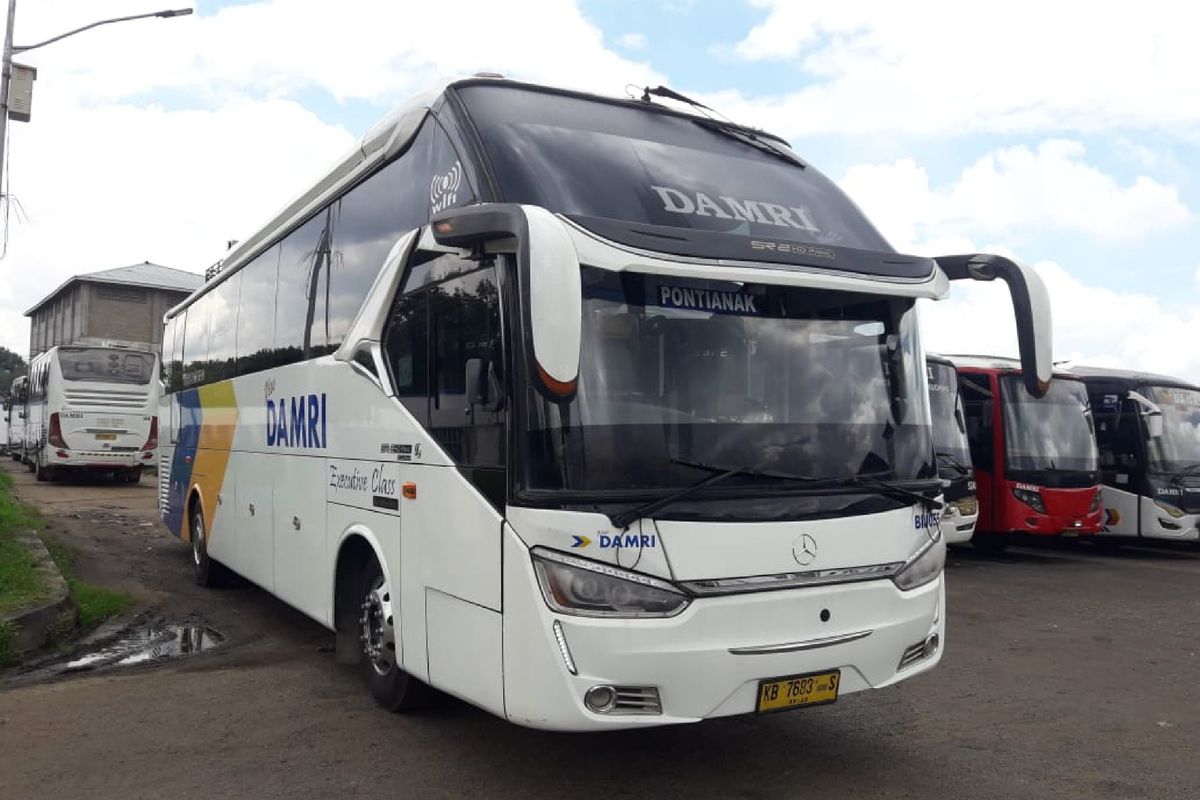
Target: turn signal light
<point>409,490</point>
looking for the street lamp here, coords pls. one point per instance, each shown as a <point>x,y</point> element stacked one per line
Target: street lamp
<point>10,50</point>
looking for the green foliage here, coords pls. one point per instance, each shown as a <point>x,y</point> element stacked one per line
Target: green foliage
<point>12,366</point>
<point>20,582</point>
<point>95,603</point>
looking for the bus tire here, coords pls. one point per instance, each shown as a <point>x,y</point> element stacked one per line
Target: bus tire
<point>40,471</point>
<point>990,543</point>
<point>392,687</point>
<point>132,475</point>
<point>206,571</point>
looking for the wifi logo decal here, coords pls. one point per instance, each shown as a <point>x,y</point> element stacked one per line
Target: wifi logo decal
<point>443,189</point>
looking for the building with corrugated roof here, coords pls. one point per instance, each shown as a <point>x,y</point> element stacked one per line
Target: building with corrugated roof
<point>124,304</point>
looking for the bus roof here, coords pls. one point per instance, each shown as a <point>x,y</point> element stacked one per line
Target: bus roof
<point>1130,378</point>
<point>1001,364</point>
<point>386,138</point>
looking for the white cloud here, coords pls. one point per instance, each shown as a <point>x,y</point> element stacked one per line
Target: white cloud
<point>1093,325</point>
<point>161,139</point>
<point>632,41</point>
<point>945,67</point>
<point>1011,191</point>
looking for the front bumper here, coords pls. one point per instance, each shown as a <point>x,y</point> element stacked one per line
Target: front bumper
<point>958,529</point>
<point>688,657</point>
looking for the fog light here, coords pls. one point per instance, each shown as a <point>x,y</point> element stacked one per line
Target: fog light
<point>931,645</point>
<point>600,699</point>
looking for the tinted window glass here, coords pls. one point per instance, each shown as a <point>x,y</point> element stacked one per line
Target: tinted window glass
<point>977,408</point>
<point>223,328</point>
<point>301,322</point>
<point>256,313</point>
<point>466,327</point>
<point>168,345</point>
<point>195,345</point>
<point>407,343</point>
<point>175,370</point>
<point>105,365</point>
<point>622,161</point>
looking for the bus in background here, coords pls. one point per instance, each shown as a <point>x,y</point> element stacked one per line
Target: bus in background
<point>519,401</point>
<point>91,408</point>
<point>14,412</point>
<point>1036,464</point>
<point>1148,432</point>
<point>953,453</point>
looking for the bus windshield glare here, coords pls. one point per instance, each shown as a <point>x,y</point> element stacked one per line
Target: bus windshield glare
<point>1179,446</point>
<point>104,365</point>
<point>949,435</point>
<point>819,383</point>
<point>1048,434</point>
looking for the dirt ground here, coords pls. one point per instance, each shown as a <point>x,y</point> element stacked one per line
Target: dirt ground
<point>1069,673</point>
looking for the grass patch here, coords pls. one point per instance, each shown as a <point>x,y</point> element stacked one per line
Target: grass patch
<point>20,582</point>
<point>96,603</point>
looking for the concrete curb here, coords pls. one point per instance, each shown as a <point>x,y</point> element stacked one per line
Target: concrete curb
<point>39,625</point>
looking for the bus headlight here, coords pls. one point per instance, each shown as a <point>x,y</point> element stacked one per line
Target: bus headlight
<point>1030,498</point>
<point>966,506</point>
<point>1174,511</point>
<point>1095,506</point>
<point>925,564</point>
<point>579,586</point>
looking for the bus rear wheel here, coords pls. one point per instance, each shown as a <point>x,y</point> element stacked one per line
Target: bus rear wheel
<point>42,472</point>
<point>392,687</point>
<point>132,475</point>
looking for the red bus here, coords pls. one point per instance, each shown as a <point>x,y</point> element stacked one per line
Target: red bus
<point>1036,463</point>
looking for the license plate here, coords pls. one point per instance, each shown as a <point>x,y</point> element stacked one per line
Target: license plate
<point>812,689</point>
<point>106,437</point>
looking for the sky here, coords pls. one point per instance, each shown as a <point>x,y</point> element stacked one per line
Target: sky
<point>1065,134</point>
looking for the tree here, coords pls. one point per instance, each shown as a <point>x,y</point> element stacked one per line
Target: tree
<point>12,366</point>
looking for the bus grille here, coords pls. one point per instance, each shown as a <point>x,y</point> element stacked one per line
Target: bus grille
<point>164,483</point>
<point>106,398</point>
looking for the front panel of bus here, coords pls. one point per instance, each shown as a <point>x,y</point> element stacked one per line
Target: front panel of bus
<point>1151,483</point>
<point>953,453</point>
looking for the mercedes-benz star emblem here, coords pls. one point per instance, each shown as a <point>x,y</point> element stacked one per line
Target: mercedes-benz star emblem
<point>804,550</point>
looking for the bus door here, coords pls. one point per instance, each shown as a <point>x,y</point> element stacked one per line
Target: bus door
<point>978,398</point>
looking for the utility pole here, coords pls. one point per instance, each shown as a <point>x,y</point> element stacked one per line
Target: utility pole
<point>10,50</point>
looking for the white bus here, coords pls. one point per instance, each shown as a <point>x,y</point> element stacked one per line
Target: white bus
<point>960,511</point>
<point>1148,433</point>
<point>589,411</point>
<point>91,408</point>
<point>14,418</point>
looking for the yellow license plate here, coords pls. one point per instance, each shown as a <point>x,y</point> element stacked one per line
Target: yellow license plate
<point>106,437</point>
<point>813,689</point>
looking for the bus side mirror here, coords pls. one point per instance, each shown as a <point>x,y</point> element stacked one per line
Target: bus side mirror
<point>1150,413</point>
<point>1154,425</point>
<point>1031,305</point>
<point>548,280</point>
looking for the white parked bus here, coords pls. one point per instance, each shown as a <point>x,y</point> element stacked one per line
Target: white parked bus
<point>14,418</point>
<point>592,412</point>
<point>1148,433</point>
<point>961,504</point>
<point>91,408</point>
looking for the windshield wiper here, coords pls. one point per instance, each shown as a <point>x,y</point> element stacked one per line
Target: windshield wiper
<point>730,129</point>
<point>1190,469</point>
<point>950,459</point>
<point>870,481</point>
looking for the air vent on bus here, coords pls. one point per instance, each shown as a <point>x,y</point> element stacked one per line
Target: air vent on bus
<point>164,482</point>
<point>106,398</point>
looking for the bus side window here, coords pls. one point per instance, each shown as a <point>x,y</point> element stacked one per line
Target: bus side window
<point>977,408</point>
<point>407,343</point>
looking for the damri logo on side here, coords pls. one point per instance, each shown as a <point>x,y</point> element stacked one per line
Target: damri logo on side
<point>699,204</point>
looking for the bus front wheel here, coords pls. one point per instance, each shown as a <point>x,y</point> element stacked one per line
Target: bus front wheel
<point>392,687</point>
<point>206,571</point>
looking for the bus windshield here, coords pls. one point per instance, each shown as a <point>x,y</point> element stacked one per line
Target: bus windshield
<point>819,383</point>
<point>1048,434</point>
<point>633,162</point>
<point>104,365</point>
<point>949,433</point>
<point>1179,446</point>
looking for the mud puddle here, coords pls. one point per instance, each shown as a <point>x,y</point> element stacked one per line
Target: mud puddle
<point>124,644</point>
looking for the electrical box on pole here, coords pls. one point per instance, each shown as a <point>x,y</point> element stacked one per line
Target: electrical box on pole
<point>20,92</point>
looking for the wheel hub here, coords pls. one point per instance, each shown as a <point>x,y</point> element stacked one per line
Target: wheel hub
<point>376,631</point>
<point>197,540</point>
